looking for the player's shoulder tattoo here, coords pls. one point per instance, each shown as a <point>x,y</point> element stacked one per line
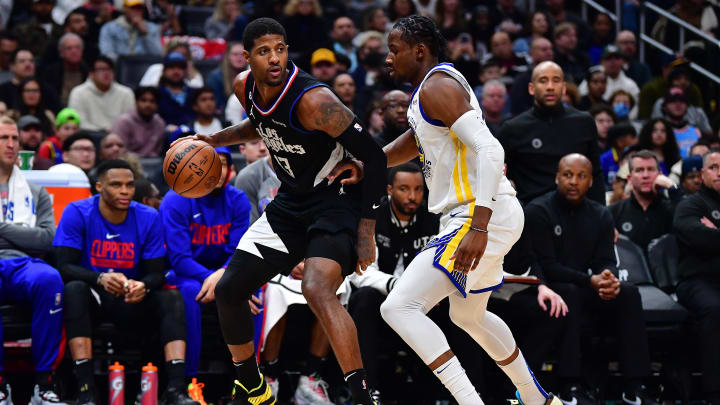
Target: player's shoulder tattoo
<point>327,112</point>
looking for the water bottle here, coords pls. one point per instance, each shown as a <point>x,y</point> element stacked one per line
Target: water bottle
<point>148,385</point>
<point>116,384</point>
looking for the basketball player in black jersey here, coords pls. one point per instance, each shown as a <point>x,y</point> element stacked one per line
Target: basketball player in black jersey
<point>307,130</point>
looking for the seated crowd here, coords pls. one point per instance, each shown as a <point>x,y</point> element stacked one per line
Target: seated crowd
<point>599,145</point>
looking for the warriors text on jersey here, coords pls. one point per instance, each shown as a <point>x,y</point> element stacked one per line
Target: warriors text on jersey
<point>301,158</point>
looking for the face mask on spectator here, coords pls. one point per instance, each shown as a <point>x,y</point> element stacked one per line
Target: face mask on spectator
<point>621,110</point>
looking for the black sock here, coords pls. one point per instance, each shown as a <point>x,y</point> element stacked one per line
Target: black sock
<point>271,369</point>
<point>86,380</point>
<point>633,386</point>
<point>176,374</point>
<point>247,373</point>
<point>358,386</point>
<point>44,380</point>
<point>314,365</point>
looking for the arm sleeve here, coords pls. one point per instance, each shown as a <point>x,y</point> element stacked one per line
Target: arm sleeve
<point>67,262</point>
<point>176,225</point>
<point>33,239</point>
<point>691,231</point>
<point>152,271</point>
<point>358,141</point>
<point>541,238</point>
<point>472,131</point>
<point>240,224</point>
<point>604,254</point>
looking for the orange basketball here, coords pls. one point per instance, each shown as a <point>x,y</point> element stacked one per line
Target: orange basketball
<point>192,168</point>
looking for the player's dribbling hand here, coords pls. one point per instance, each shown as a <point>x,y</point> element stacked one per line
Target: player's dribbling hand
<point>135,291</point>
<point>469,252</point>
<point>365,245</point>
<point>197,137</point>
<point>354,166</point>
<point>558,307</point>
<point>254,302</point>
<point>207,291</point>
<point>114,283</point>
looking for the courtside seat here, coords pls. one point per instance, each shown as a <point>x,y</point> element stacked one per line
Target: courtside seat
<point>129,69</point>
<point>205,66</point>
<point>664,255</point>
<point>153,166</point>
<point>658,307</point>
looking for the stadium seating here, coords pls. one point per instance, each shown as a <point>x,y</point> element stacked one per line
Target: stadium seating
<point>663,256</point>
<point>129,69</point>
<point>193,18</point>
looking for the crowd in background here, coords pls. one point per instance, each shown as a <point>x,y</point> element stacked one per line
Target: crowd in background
<point>60,59</point>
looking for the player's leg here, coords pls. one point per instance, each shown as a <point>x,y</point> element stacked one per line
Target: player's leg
<point>270,356</point>
<point>419,289</point>
<point>495,337</point>
<point>312,389</point>
<point>364,308</point>
<point>328,256</point>
<point>189,288</point>
<point>78,325</point>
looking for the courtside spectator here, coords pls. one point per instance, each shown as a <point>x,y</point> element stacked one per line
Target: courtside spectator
<point>204,105</point>
<point>675,70</point>
<point>142,128</point>
<point>657,135</point>
<point>323,65</point>
<point>572,237</point>
<point>394,106</point>
<point>28,228</point>
<point>23,66</point>
<point>201,236</point>
<point>30,138</point>
<point>638,71</point>
<point>253,150</point>
<point>67,123</point>
<point>30,100</point>
<point>342,34</point>
<point>174,104</point>
<point>675,108</point>
<point>36,33</point>
<point>70,71</point>
<point>101,100</point>
<point>130,34</point>
<point>111,255</point>
<point>501,51</point>
<point>76,23</point>
<point>694,115</point>
<point>620,137</point>
<point>596,85</point>
<point>700,148</point>
<point>146,193</point>
<point>612,63</point>
<point>8,45</point>
<point>79,151</point>
<point>696,223</point>
<point>223,18</point>
<point>403,227</point>
<point>647,214</point>
<point>112,147</point>
<point>541,50</point>
<point>259,183</point>
<point>604,117</point>
<point>344,86</point>
<point>691,178</point>
<point>154,72</point>
<point>573,61</point>
<point>493,102</point>
<point>221,79</point>
<point>535,140</point>
<point>302,19</point>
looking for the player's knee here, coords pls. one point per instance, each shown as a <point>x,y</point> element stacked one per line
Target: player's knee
<point>47,279</point>
<point>629,293</point>
<point>396,308</point>
<point>464,316</point>
<point>76,289</point>
<point>76,299</point>
<point>223,289</point>
<point>317,290</point>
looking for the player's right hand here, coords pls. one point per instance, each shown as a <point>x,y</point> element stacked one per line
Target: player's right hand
<point>114,283</point>
<point>197,137</point>
<point>354,166</point>
<point>254,302</point>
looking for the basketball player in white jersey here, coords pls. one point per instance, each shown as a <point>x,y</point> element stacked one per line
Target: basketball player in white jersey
<point>481,218</point>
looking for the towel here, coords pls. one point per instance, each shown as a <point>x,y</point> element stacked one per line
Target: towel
<point>20,209</point>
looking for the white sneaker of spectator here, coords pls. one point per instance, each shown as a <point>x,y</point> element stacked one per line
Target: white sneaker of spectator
<point>48,397</point>
<point>5,395</point>
<point>312,390</point>
<point>274,384</point>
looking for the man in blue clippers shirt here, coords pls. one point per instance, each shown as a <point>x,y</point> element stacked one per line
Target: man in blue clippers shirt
<point>111,255</point>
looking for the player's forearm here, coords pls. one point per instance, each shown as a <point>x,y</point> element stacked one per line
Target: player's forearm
<point>67,259</point>
<point>153,272</point>
<point>402,149</point>
<point>240,133</point>
<point>481,217</point>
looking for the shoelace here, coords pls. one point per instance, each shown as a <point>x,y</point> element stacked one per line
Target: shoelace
<point>195,391</point>
<point>319,386</point>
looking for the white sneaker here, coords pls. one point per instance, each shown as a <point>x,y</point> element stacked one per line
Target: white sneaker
<point>274,384</point>
<point>312,391</point>
<point>48,397</point>
<point>6,395</point>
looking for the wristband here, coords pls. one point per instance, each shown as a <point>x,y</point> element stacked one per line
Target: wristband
<point>476,229</point>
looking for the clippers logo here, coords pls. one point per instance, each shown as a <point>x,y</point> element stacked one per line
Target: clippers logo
<point>210,234</point>
<point>172,167</point>
<point>112,254</point>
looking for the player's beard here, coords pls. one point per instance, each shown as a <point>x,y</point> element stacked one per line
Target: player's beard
<point>404,209</point>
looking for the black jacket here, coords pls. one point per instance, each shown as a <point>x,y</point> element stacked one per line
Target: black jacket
<point>570,240</point>
<point>699,245</point>
<point>394,240</point>
<point>537,139</point>
<point>643,226</point>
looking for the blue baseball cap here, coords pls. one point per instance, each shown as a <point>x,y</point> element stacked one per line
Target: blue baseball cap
<point>175,59</point>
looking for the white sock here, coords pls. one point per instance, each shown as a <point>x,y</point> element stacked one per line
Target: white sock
<point>530,390</point>
<point>453,377</point>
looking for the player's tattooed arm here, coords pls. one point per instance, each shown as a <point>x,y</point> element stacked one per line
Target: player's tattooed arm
<point>320,110</point>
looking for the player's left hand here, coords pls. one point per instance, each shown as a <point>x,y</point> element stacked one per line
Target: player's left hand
<point>365,245</point>
<point>354,166</point>
<point>469,252</point>
<point>135,292</point>
<point>207,291</point>
<point>558,307</point>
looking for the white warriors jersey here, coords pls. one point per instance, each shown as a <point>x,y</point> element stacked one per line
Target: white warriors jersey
<point>449,166</point>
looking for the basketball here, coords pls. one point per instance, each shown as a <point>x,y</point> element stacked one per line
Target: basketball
<point>192,168</point>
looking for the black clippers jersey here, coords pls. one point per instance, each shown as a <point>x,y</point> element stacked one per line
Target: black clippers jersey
<point>301,158</point>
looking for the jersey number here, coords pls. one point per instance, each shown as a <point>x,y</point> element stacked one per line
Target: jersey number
<point>285,164</point>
